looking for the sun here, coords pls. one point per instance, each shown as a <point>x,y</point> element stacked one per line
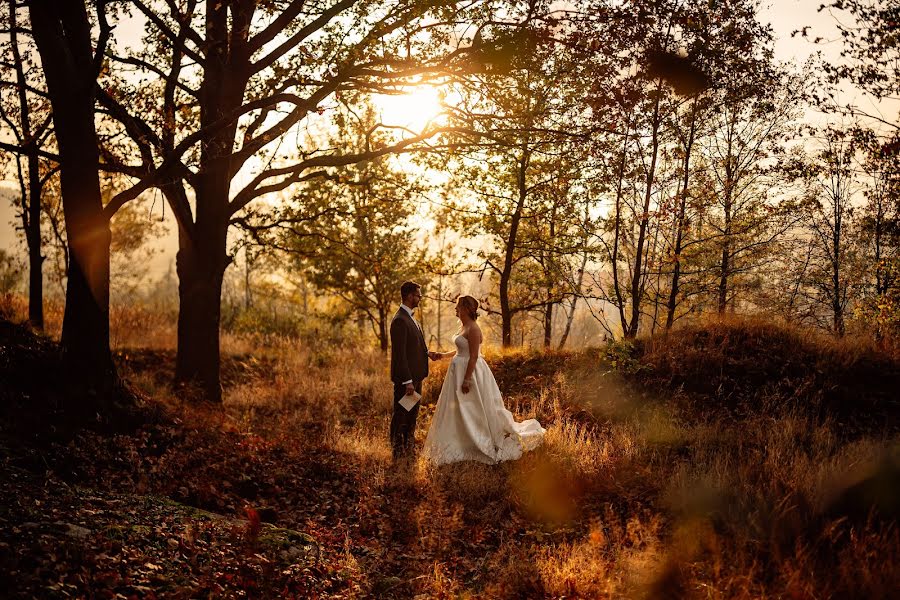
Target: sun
<point>414,109</point>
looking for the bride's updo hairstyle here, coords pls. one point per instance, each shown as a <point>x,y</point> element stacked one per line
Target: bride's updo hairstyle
<point>470,304</point>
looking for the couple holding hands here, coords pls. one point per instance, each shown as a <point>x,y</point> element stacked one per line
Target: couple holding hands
<point>470,421</point>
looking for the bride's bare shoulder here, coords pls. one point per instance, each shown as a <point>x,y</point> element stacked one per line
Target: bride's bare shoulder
<point>472,332</point>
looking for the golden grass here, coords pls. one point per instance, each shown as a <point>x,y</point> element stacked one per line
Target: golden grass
<point>640,503</point>
<point>638,499</point>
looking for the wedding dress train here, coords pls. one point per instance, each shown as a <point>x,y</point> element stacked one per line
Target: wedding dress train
<point>476,426</point>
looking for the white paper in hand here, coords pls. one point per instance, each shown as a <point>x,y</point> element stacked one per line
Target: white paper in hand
<point>410,400</point>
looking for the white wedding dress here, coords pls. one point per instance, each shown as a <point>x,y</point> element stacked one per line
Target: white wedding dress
<point>476,426</point>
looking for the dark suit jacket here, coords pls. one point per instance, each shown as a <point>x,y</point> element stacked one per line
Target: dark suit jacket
<point>409,354</point>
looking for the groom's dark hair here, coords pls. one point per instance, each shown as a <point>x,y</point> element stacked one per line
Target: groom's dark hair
<point>408,288</point>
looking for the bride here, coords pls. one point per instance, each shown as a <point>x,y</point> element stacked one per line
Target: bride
<point>470,421</point>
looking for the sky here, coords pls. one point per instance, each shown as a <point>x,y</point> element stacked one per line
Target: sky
<point>784,15</point>
<point>787,16</point>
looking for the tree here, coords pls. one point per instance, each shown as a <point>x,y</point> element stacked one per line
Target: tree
<point>740,70</point>
<point>223,86</point>
<point>445,261</point>
<point>557,234</point>
<point>870,54</point>
<point>62,34</point>
<point>573,270</point>
<point>656,58</point>
<point>745,218</point>
<point>24,110</point>
<point>365,246</point>
<point>879,228</point>
<point>55,248</point>
<point>831,186</point>
<point>516,120</point>
<point>71,57</point>
<point>680,215</point>
<point>870,61</point>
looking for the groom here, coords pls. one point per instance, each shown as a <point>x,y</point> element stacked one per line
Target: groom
<point>409,366</point>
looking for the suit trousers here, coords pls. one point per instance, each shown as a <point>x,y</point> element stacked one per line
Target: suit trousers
<point>403,422</point>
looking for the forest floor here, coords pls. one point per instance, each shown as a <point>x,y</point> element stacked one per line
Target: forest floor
<point>729,460</point>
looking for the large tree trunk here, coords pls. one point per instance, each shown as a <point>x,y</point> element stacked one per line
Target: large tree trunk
<point>200,264</point>
<point>202,256</point>
<point>63,37</point>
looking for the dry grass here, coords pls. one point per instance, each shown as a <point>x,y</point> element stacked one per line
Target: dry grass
<point>643,487</point>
